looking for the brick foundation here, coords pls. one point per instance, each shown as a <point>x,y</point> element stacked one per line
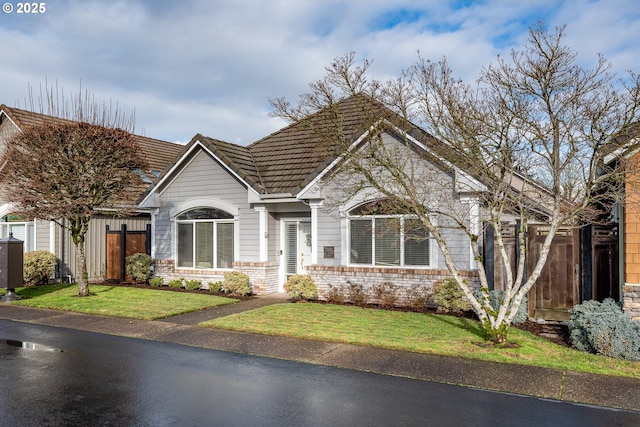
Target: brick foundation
<point>263,276</point>
<point>329,278</point>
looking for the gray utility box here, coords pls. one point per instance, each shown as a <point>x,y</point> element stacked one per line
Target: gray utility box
<point>11,266</point>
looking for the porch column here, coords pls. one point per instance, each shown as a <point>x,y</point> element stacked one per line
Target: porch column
<point>474,225</point>
<point>263,232</point>
<point>154,213</point>
<point>315,205</point>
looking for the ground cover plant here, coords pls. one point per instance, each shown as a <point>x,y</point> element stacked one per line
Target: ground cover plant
<point>117,301</point>
<point>417,332</point>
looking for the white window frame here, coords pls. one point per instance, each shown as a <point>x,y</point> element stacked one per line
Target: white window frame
<point>30,233</point>
<point>215,222</point>
<point>401,264</point>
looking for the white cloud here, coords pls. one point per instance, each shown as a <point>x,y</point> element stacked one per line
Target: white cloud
<point>208,67</point>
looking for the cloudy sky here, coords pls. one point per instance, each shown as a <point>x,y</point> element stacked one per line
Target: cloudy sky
<point>210,66</point>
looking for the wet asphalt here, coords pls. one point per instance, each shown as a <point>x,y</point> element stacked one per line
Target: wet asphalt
<point>555,384</point>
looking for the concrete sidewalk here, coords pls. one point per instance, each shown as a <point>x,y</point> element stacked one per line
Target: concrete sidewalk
<point>599,390</point>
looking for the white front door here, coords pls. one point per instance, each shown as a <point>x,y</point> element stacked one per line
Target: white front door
<point>296,247</point>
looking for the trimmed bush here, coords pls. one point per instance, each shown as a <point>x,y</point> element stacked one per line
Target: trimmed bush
<point>336,294</point>
<point>176,283</point>
<point>604,329</point>
<point>236,283</point>
<point>496,298</point>
<point>418,296</point>
<point>302,286</point>
<point>156,282</point>
<point>38,267</point>
<point>193,284</point>
<point>139,267</point>
<point>448,297</point>
<point>215,286</point>
<point>385,293</point>
<point>357,295</point>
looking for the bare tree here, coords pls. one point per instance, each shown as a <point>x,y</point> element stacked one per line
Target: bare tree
<point>69,169</point>
<point>531,135</point>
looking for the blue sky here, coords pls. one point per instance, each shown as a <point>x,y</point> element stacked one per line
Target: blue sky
<point>209,66</point>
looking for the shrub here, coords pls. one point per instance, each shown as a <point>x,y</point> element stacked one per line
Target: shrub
<point>176,283</point>
<point>38,267</point>
<point>385,293</point>
<point>156,282</point>
<point>139,267</point>
<point>236,283</point>
<point>448,297</point>
<point>418,297</point>
<point>302,286</point>
<point>496,298</point>
<point>335,294</point>
<point>215,286</point>
<point>603,328</point>
<point>193,284</point>
<point>357,294</point>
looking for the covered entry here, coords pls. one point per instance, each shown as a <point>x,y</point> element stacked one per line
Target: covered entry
<point>296,247</point>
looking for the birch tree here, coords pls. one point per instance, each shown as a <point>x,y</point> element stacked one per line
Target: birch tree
<point>532,134</point>
<point>75,163</point>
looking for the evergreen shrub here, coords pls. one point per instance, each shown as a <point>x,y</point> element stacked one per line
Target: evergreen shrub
<point>236,283</point>
<point>604,329</point>
<point>302,286</point>
<point>496,298</point>
<point>38,267</point>
<point>448,297</point>
<point>139,267</point>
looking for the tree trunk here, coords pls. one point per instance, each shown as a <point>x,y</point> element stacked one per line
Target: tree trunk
<point>79,227</point>
<point>83,282</point>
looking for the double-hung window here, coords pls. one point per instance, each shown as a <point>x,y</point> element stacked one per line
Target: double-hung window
<point>20,228</point>
<point>382,239</point>
<point>205,238</point>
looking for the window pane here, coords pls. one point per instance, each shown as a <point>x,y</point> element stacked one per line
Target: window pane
<point>204,213</point>
<point>416,243</point>
<point>224,246</point>
<point>185,245</point>
<point>204,244</point>
<point>19,231</point>
<point>387,241</point>
<point>361,241</point>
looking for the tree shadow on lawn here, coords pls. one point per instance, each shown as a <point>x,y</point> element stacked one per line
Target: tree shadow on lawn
<point>30,292</point>
<point>466,324</point>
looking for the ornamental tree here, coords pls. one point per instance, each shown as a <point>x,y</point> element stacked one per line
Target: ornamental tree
<point>69,169</point>
<point>532,133</point>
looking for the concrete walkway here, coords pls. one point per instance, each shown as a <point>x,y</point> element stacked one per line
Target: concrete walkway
<point>599,390</point>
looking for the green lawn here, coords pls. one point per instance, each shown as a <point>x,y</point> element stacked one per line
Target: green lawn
<point>417,332</point>
<point>117,301</point>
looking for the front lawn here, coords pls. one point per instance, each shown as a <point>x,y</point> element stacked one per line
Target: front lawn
<point>417,332</point>
<point>117,301</point>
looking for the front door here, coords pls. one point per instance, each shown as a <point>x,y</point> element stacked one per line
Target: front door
<point>296,251</point>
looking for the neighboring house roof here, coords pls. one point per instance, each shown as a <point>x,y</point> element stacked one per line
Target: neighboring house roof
<point>158,154</point>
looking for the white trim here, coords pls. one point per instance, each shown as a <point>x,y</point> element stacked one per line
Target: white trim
<point>263,232</point>
<point>180,165</point>
<point>203,202</point>
<point>314,230</point>
<point>52,237</point>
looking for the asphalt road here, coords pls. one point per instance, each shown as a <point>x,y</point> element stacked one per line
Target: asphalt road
<point>55,376</point>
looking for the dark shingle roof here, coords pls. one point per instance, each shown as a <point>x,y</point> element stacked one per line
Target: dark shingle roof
<point>158,154</point>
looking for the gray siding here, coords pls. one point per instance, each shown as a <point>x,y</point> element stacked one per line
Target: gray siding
<point>203,177</point>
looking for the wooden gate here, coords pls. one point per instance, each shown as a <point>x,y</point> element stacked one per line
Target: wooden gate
<point>582,264</point>
<point>121,244</point>
<point>557,289</point>
<point>600,252</point>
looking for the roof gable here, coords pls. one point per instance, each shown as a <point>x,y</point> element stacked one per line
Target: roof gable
<point>158,154</point>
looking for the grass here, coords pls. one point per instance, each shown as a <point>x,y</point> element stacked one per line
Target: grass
<point>117,301</point>
<point>417,332</point>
